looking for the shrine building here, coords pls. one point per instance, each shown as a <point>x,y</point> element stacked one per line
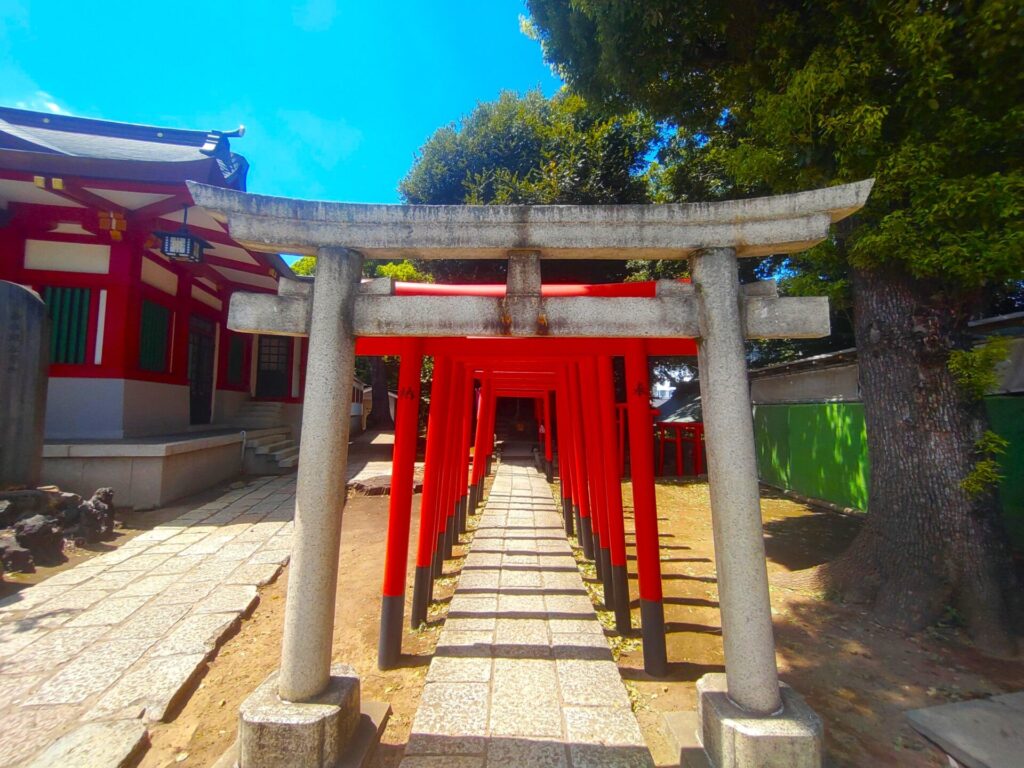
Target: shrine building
<point>149,391</point>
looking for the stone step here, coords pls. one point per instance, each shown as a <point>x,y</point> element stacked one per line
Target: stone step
<point>275,436</point>
<point>276,445</point>
<point>287,452</point>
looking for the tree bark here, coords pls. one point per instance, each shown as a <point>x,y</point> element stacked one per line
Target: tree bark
<point>380,410</point>
<point>926,543</point>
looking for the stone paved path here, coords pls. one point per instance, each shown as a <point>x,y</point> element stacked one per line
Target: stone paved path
<point>523,675</point>
<point>91,654</point>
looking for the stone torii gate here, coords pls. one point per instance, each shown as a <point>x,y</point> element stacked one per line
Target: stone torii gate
<point>304,714</point>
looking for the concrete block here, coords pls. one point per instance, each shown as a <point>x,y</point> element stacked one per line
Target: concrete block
<point>312,734</point>
<point>734,738</point>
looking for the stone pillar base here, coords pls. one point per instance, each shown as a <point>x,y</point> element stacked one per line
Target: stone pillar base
<point>313,734</point>
<point>722,735</point>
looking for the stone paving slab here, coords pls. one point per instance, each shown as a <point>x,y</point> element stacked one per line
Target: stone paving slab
<point>95,652</point>
<point>522,675</point>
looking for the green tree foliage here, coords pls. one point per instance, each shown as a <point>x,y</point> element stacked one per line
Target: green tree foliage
<point>306,266</point>
<point>531,150</point>
<point>771,96</point>
<point>403,271</point>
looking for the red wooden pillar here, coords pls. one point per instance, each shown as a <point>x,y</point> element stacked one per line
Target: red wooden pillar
<point>492,415</point>
<point>468,403</point>
<point>582,486</point>
<point>613,493</point>
<point>548,456</point>
<point>449,529</point>
<point>645,510</point>
<point>403,463</point>
<point>594,426</point>
<point>427,545</point>
<point>564,456</point>
<point>480,443</point>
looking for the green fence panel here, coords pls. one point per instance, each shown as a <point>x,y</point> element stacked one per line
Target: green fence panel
<point>820,450</point>
<point>816,449</point>
<point>1006,415</point>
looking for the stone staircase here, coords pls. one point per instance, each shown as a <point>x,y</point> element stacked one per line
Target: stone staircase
<point>269,446</point>
<point>259,415</point>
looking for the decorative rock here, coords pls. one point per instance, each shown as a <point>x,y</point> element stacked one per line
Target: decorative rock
<point>24,503</point>
<point>96,516</point>
<point>15,557</point>
<point>42,536</point>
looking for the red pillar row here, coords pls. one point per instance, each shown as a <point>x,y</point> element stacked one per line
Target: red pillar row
<point>583,423</point>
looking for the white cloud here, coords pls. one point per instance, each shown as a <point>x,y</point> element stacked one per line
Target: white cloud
<point>315,15</point>
<point>41,101</point>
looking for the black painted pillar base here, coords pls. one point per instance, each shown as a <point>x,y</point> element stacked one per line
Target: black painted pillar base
<point>449,537</point>
<point>439,557</point>
<point>420,596</point>
<point>607,580</point>
<point>490,464</point>
<point>652,629</point>
<point>586,538</point>
<point>474,498</point>
<point>620,585</point>
<point>567,515</point>
<point>579,523</point>
<point>549,470</point>
<point>463,512</point>
<point>389,646</point>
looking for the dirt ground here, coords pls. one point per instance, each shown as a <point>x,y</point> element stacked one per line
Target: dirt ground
<point>858,676</point>
<point>205,726</point>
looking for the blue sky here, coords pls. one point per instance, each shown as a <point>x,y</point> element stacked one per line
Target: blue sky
<point>336,96</point>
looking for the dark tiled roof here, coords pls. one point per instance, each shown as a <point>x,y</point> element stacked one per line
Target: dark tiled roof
<point>52,134</point>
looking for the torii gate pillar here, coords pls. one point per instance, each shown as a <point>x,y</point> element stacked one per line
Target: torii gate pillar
<point>273,731</point>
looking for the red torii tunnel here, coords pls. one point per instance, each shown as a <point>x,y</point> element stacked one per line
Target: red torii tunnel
<point>571,380</point>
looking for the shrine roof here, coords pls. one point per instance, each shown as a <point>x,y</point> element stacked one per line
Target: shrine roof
<point>103,147</point>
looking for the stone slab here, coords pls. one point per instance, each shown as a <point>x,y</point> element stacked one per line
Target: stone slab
<point>681,731</point>
<point>983,733</point>
<point>150,689</point>
<point>113,744</point>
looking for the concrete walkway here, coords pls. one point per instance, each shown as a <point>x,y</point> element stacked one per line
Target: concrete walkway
<point>523,675</point>
<point>90,655</point>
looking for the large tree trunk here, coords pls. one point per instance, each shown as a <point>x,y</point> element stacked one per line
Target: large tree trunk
<point>926,544</point>
<point>380,411</point>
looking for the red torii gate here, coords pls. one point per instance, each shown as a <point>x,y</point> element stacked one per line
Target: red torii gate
<point>577,373</point>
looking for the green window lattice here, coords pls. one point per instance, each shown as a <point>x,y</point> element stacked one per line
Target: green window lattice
<point>154,333</point>
<point>68,310</point>
<point>236,359</point>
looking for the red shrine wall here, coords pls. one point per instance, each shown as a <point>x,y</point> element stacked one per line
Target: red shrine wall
<point>115,372</point>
